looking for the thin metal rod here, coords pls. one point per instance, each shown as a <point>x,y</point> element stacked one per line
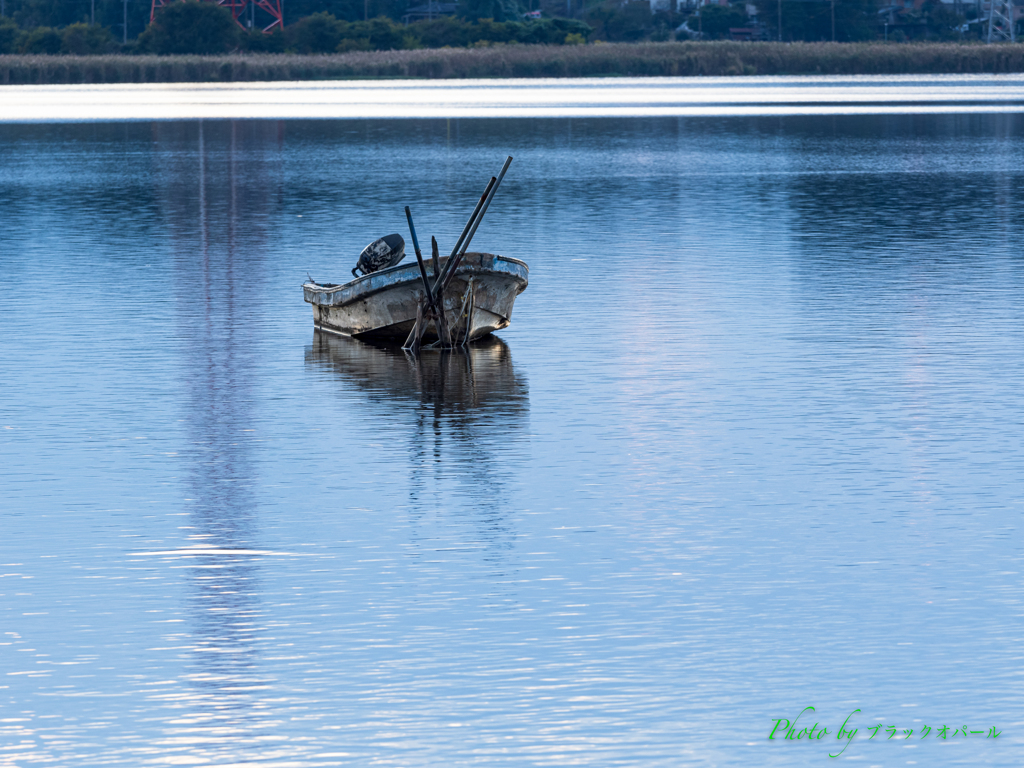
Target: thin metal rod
<point>412,341</point>
<point>462,308</point>
<point>469,313</point>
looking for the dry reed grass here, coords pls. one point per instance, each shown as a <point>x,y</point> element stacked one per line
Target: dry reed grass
<point>513,61</point>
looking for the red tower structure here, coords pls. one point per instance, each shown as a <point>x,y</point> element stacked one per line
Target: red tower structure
<point>238,8</point>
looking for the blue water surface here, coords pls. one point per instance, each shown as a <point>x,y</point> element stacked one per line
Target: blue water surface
<point>751,444</point>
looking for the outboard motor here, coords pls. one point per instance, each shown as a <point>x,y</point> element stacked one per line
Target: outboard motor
<point>380,254</point>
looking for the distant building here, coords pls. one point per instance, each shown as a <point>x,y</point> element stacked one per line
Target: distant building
<point>1008,13</point>
<point>429,10</point>
<point>744,34</point>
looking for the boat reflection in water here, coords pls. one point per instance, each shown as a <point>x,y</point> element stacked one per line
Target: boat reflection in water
<point>462,413</point>
<point>472,381</point>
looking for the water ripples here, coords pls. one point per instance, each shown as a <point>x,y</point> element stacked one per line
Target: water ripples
<point>749,445</point>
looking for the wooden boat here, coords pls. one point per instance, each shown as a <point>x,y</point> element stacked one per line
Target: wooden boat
<point>469,295</point>
<point>384,304</point>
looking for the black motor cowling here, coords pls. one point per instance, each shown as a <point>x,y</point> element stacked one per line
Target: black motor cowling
<point>380,254</point>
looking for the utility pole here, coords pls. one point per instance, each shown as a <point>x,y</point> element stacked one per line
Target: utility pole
<point>92,12</point>
<point>833,21</point>
<point>239,9</point>
<point>1001,22</point>
<point>780,21</point>
<point>124,27</point>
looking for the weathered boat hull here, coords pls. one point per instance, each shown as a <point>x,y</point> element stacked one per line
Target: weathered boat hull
<point>384,304</point>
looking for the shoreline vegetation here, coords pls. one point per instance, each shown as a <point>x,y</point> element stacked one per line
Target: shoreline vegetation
<point>680,59</point>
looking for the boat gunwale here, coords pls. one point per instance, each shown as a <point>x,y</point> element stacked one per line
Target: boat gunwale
<point>313,291</point>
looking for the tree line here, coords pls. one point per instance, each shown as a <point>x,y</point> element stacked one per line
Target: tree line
<point>329,26</point>
<point>194,27</point>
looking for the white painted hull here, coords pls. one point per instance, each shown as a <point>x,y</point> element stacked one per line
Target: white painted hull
<point>384,304</point>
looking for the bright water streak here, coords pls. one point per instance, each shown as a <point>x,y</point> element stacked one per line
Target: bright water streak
<point>551,97</point>
<point>751,444</point>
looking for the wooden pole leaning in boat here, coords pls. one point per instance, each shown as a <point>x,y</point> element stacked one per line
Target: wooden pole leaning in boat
<point>440,286</point>
<point>442,281</point>
<point>453,264</point>
<point>419,256</point>
<point>435,297</point>
<point>412,342</point>
<point>413,339</point>
<point>465,231</point>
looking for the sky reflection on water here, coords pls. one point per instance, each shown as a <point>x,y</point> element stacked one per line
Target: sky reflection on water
<point>750,444</point>
<point>520,98</point>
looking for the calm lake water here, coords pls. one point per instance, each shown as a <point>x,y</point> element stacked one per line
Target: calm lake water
<point>751,444</point>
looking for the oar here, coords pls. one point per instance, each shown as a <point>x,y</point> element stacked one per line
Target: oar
<point>454,264</point>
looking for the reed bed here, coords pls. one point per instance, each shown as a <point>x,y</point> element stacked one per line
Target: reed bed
<point>515,61</point>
